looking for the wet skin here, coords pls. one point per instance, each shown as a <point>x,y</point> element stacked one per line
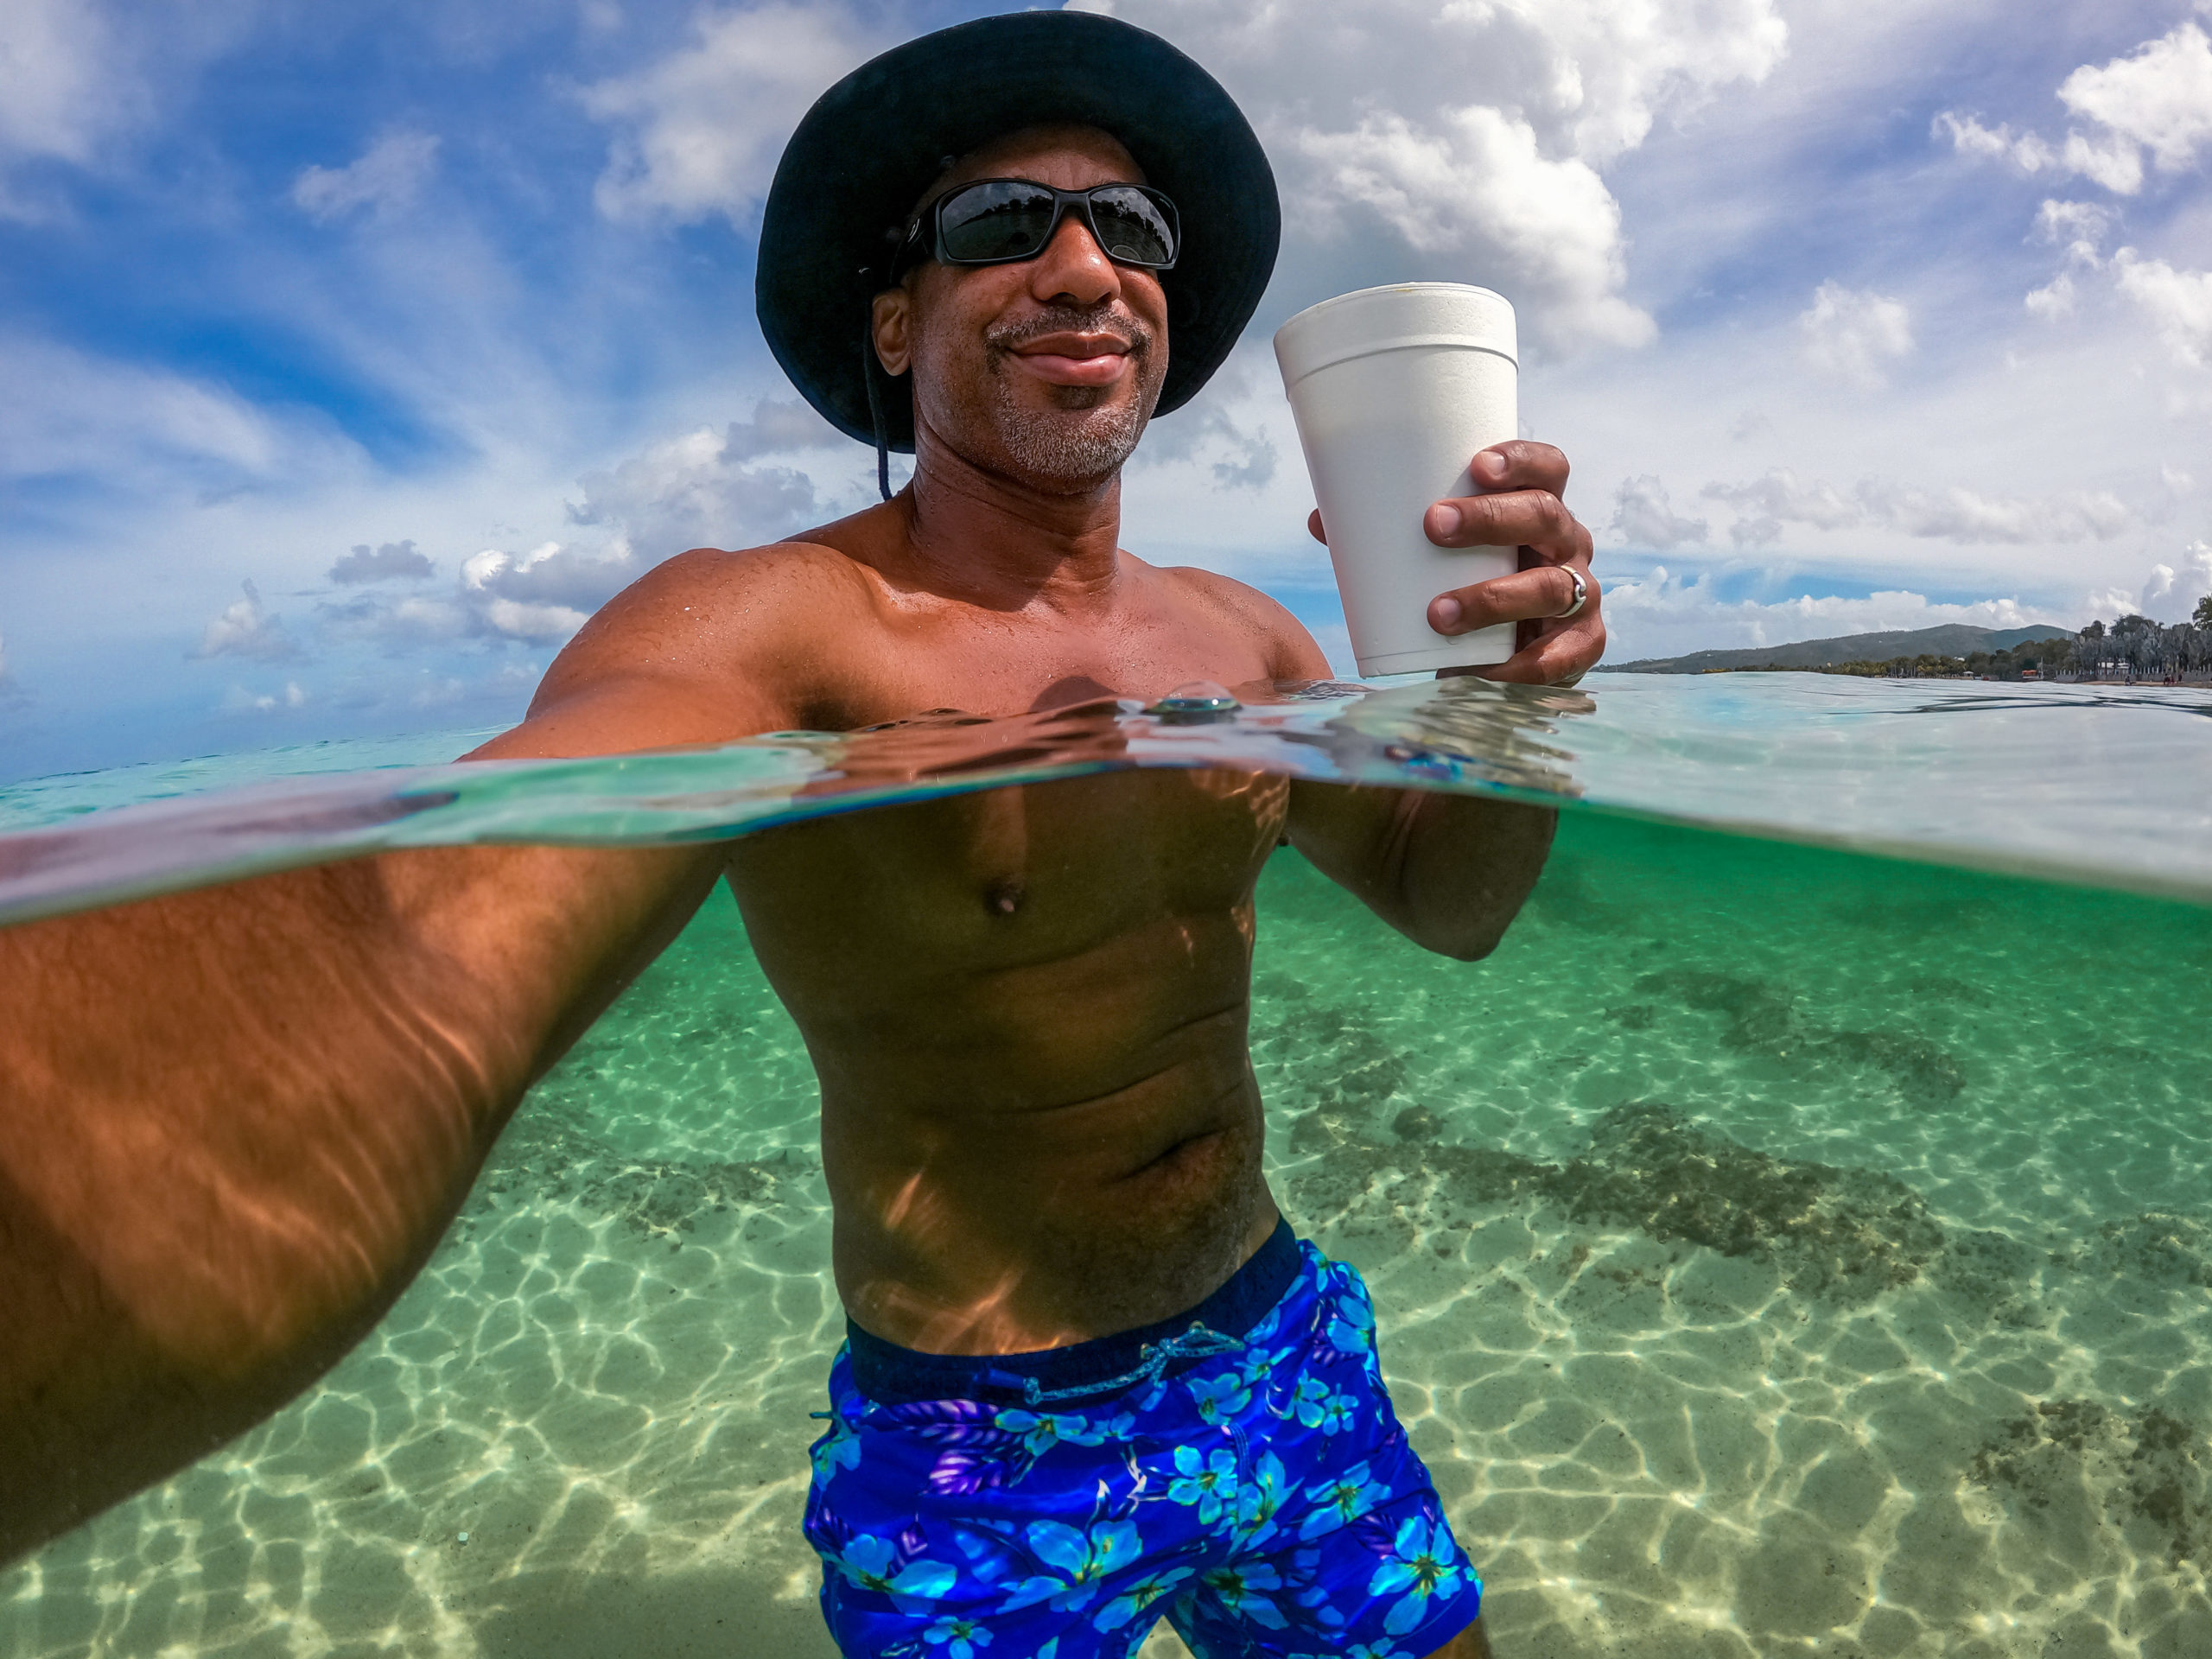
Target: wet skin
<point>242,1119</point>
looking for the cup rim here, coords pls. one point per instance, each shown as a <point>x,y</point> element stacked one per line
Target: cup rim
<point>1298,358</point>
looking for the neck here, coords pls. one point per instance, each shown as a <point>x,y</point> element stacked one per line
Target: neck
<point>1003,542</point>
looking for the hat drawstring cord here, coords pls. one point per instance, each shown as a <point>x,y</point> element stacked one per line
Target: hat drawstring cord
<point>869,370</point>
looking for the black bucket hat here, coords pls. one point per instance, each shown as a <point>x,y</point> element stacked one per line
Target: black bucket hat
<point>873,141</point>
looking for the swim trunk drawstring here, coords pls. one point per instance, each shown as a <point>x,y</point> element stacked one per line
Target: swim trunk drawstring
<point>1197,1342</point>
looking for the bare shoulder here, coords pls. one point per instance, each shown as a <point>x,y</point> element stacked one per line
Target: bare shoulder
<point>1238,606</point>
<point>710,598</point>
<point>749,628</point>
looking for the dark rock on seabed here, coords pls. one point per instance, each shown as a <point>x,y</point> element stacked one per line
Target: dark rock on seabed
<point>2157,1249</point>
<point>545,1155</point>
<point>1764,1019</point>
<point>2142,1473</point>
<point>1847,1235</point>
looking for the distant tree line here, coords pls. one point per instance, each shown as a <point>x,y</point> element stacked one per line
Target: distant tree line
<point>2134,648</point>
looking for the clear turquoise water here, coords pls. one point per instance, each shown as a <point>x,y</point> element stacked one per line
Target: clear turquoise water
<point>1782,1249</point>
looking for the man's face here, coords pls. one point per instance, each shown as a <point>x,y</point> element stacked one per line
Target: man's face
<point>1046,369</point>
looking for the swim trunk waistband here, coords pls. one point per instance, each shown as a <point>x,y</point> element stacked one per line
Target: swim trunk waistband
<point>892,1376</point>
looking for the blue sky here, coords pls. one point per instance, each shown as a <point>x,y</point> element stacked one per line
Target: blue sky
<point>1850,315</point>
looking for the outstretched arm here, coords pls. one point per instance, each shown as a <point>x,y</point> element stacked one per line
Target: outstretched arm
<point>236,1119</point>
<point>233,1122</point>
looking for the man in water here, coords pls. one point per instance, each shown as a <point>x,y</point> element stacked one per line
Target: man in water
<point>1091,1380</point>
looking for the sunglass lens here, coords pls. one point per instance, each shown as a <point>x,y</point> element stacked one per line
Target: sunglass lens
<point>1133,226</point>
<point>1000,220</point>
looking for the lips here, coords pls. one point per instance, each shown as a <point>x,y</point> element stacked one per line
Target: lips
<point>1073,359</point>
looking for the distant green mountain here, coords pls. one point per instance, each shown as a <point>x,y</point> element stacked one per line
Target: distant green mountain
<point>1952,639</point>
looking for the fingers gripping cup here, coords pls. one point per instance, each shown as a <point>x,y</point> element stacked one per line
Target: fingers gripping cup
<point>1394,391</point>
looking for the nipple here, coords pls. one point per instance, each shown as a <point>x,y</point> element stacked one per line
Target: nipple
<point>1002,898</point>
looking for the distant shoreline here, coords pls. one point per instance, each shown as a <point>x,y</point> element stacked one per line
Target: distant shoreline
<point>2135,651</point>
<point>2203,678</point>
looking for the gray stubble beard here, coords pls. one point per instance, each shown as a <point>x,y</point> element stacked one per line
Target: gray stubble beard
<point>1077,454</point>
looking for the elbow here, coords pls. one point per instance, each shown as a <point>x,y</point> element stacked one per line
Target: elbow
<point>1460,944</point>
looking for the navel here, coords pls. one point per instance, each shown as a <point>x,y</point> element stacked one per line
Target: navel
<point>1003,897</point>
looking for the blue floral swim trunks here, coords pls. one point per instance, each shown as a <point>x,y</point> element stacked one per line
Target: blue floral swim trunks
<point>1237,1470</point>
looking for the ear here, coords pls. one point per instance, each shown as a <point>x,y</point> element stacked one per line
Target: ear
<point>891,319</point>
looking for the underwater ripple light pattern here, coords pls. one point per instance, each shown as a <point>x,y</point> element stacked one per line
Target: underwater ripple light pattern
<point>1778,1252</point>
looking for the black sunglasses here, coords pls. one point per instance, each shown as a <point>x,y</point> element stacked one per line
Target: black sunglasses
<point>999,221</point>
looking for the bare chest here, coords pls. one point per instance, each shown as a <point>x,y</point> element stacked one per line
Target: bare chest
<point>1003,665</point>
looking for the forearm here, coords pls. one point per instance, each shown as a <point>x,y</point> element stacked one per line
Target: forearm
<point>233,1122</point>
<point>1450,872</point>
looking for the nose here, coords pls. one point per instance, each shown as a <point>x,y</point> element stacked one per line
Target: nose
<point>1073,269</point>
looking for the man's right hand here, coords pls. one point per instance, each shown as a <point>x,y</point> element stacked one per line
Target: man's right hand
<point>1520,507</point>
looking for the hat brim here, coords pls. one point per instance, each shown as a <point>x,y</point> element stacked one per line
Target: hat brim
<point>873,143</point>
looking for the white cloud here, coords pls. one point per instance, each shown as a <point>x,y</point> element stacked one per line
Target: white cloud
<point>544,596</point>
<point>2108,159</point>
<point>240,701</point>
<point>400,624</point>
<point>1852,333</point>
<point>1474,180</point>
<point>2161,97</point>
<point>386,179</point>
<point>700,131</point>
<point>2052,300</point>
<point>1765,506</point>
<point>706,487</point>
<point>1969,138</point>
<point>67,412</point>
<point>381,564</point>
<point>2158,100</point>
<point>1646,518</point>
<point>779,426</point>
<point>1477,130</point>
<point>2171,594</point>
<point>51,57</point>
<point>2178,302</point>
<point>2081,228</point>
<point>63,88</point>
<point>2104,159</point>
<point>709,488</point>
<point>1966,516</point>
<point>246,628</point>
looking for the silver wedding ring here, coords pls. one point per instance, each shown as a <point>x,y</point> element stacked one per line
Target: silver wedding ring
<point>1581,595</point>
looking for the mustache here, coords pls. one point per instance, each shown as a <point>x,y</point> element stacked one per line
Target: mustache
<point>1105,318</point>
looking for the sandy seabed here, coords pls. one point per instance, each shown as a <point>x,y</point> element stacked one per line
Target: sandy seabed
<point>1778,1253</point>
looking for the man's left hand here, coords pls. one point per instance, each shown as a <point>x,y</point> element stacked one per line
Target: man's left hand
<point>1520,507</point>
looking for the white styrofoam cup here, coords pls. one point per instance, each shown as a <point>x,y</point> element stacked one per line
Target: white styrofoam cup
<point>1394,391</point>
